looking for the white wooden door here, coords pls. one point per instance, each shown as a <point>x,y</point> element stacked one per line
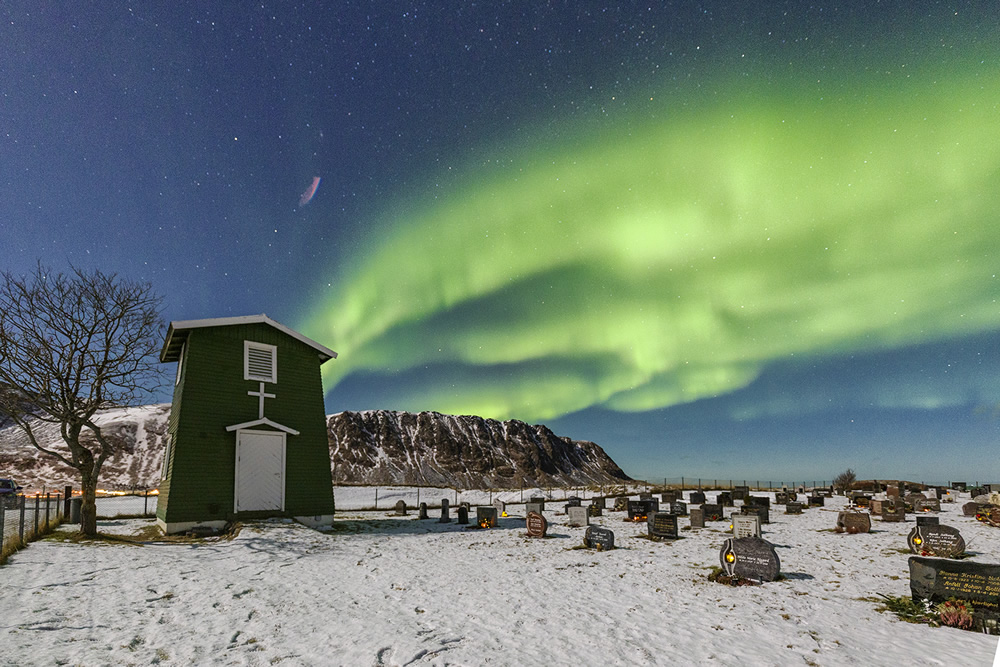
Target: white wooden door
<point>260,471</point>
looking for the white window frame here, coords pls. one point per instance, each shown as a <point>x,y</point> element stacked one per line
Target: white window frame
<point>273,349</point>
<point>165,472</point>
<point>180,364</point>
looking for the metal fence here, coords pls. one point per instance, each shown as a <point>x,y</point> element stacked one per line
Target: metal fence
<point>28,518</point>
<point>385,497</point>
<point>706,483</point>
<point>137,504</point>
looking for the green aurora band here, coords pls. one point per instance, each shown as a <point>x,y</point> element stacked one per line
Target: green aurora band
<point>675,260</point>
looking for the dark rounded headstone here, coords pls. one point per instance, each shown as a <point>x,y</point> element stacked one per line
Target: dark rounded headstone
<point>750,558</point>
<point>536,524</point>
<point>940,541</point>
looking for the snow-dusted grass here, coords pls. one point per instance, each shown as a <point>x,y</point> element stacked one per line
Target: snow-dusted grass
<point>379,589</point>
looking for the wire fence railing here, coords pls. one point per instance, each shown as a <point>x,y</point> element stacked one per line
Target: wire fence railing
<point>24,519</point>
<point>384,497</point>
<point>140,503</point>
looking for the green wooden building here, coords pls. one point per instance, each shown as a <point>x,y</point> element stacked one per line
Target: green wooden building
<point>247,433</point>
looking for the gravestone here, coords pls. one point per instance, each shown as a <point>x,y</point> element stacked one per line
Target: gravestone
<point>793,508</point>
<point>861,500</point>
<point>599,538</point>
<point>662,526</point>
<point>652,505</point>
<point>758,501</point>
<point>422,512</point>
<point>578,516</point>
<point>537,499</point>
<point>486,517</point>
<point>927,505</point>
<point>763,512</point>
<point>594,510</point>
<point>853,522</point>
<point>792,496</point>
<point>892,514</point>
<point>712,512</point>
<point>912,500</point>
<point>725,498</point>
<point>958,486</point>
<point>621,504</point>
<point>696,498</point>
<point>971,509</point>
<point>816,501</point>
<point>940,541</point>
<point>892,491</point>
<point>573,501</point>
<point>501,507</point>
<point>939,580</point>
<point>679,508</point>
<point>537,508</point>
<point>400,508</point>
<point>445,518</point>
<point>741,492</point>
<point>669,496</point>
<point>697,518</point>
<point>600,502</point>
<point>750,558</point>
<point>780,498</point>
<point>977,491</point>
<point>746,525</point>
<point>645,495</point>
<point>536,524</point>
<point>463,514</point>
<point>638,510</point>
<point>927,520</point>
<point>875,506</point>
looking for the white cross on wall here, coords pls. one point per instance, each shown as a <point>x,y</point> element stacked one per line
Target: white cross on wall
<point>261,395</point>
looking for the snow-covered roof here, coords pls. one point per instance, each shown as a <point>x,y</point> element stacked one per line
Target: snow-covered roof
<point>178,332</point>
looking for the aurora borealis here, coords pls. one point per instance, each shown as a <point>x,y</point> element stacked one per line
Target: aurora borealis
<point>717,239</point>
<point>674,264</point>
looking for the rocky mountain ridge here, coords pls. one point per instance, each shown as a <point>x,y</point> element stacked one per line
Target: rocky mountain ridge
<point>429,448</point>
<point>377,447</point>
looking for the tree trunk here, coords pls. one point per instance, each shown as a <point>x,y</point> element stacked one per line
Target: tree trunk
<point>88,510</point>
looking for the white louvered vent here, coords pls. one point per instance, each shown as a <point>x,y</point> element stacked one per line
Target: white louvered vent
<point>260,362</point>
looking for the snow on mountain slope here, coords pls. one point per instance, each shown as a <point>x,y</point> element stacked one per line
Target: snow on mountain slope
<point>373,447</point>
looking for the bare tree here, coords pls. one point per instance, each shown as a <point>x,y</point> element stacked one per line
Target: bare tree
<point>844,481</point>
<point>70,346</point>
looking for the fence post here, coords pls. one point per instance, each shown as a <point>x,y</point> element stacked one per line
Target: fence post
<point>36,513</point>
<point>67,498</point>
<point>47,498</point>
<point>145,503</point>
<point>376,497</point>
<point>20,528</point>
<point>2,509</point>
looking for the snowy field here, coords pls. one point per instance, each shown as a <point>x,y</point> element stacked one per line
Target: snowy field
<point>386,590</point>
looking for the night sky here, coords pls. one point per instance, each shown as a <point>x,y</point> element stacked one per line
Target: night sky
<point>721,239</point>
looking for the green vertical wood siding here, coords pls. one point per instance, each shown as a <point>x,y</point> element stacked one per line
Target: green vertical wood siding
<point>212,395</point>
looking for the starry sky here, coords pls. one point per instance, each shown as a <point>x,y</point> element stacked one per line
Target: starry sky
<point>721,239</point>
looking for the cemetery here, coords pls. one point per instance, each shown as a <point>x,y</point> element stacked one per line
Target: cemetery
<point>381,570</point>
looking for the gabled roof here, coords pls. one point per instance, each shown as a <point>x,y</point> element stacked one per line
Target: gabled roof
<point>178,332</point>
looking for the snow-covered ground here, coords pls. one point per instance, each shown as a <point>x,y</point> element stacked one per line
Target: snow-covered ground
<point>386,590</point>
